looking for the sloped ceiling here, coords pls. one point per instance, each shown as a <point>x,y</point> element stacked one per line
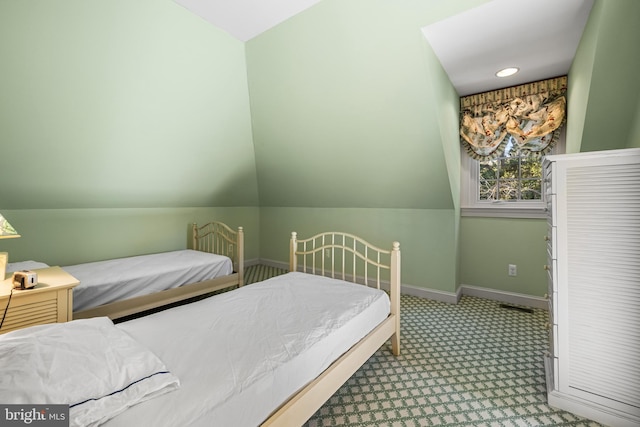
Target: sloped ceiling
<point>538,36</point>
<point>344,111</point>
<point>245,19</point>
<point>333,81</point>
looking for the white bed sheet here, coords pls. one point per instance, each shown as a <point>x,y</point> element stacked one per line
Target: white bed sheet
<point>103,282</point>
<point>241,354</point>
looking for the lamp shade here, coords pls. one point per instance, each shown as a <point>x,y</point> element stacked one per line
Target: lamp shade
<point>6,230</point>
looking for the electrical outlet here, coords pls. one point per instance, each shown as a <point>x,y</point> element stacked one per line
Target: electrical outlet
<point>513,270</point>
<point>327,253</point>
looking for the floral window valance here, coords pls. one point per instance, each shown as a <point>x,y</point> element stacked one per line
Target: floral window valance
<point>532,114</point>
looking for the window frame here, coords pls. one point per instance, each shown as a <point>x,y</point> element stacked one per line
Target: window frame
<point>471,205</point>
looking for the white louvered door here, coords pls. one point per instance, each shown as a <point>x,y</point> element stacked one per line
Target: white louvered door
<point>597,298</point>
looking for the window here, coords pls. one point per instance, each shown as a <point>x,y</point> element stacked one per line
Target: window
<point>515,175</point>
<point>505,133</point>
<point>507,186</point>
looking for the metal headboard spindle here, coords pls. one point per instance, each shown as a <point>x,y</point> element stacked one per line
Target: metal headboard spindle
<point>354,259</point>
<point>304,258</point>
<point>344,254</point>
<point>321,255</point>
<point>333,255</point>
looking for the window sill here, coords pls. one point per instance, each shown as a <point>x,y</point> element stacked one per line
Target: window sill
<point>504,212</point>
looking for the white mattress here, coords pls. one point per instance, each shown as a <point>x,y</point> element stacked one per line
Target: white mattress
<point>240,354</point>
<point>112,280</point>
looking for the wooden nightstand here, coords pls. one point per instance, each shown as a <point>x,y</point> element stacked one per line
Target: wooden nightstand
<point>50,301</point>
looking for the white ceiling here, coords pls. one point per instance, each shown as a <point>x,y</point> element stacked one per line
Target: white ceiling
<point>538,36</point>
<point>245,19</point>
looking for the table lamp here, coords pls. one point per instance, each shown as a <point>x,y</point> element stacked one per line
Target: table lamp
<point>6,232</point>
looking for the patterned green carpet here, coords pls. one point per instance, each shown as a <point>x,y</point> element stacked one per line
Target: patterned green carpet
<point>469,364</point>
<point>257,273</point>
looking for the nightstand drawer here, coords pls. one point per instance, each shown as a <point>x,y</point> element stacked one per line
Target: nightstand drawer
<point>37,309</point>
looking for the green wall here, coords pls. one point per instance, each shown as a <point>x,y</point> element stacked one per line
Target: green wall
<point>448,112</point>
<point>343,108</point>
<point>352,109</point>
<point>120,124</point>
<point>120,104</point>
<point>123,122</point>
<point>72,236</point>
<point>426,246</point>
<point>604,80</point>
<point>580,75</point>
<point>603,113</point>
<point>489,245</point>
<point>634,135</point>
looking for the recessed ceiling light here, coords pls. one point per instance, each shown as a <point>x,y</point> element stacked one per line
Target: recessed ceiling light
<point>506,72</point>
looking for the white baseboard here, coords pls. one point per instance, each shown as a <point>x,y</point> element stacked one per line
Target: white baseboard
<point>475,291</point>
<point>592,410</point>
<point>434,294</point>
<point>274,264</point>
<point>253,261</point>
<point>505,296</point>
<point>444,296</point>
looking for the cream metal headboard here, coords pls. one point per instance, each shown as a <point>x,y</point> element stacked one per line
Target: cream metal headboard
<point>345,256</point>
<point>218,238</point>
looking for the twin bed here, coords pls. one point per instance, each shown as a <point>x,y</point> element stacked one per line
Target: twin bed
<point>125,286</point>
<point>270,353</point>
<point>215,262</point>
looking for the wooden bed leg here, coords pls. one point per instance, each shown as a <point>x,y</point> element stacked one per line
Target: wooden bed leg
<point>395,344</point>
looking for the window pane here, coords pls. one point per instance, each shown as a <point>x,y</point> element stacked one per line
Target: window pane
<point>489,170</point>
<point>513,177</point>
<point>509,189</point>
<point>531,167</point>
<point>509,168</point>
<point>488,189</point>
<point>531,189</point>
<point>516,175</point>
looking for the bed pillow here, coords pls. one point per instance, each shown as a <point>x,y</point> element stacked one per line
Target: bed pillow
<point>25,265</point>
<point>91,365</point>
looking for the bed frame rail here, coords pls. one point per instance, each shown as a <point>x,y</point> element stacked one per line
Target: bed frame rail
<point>218,238</point>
